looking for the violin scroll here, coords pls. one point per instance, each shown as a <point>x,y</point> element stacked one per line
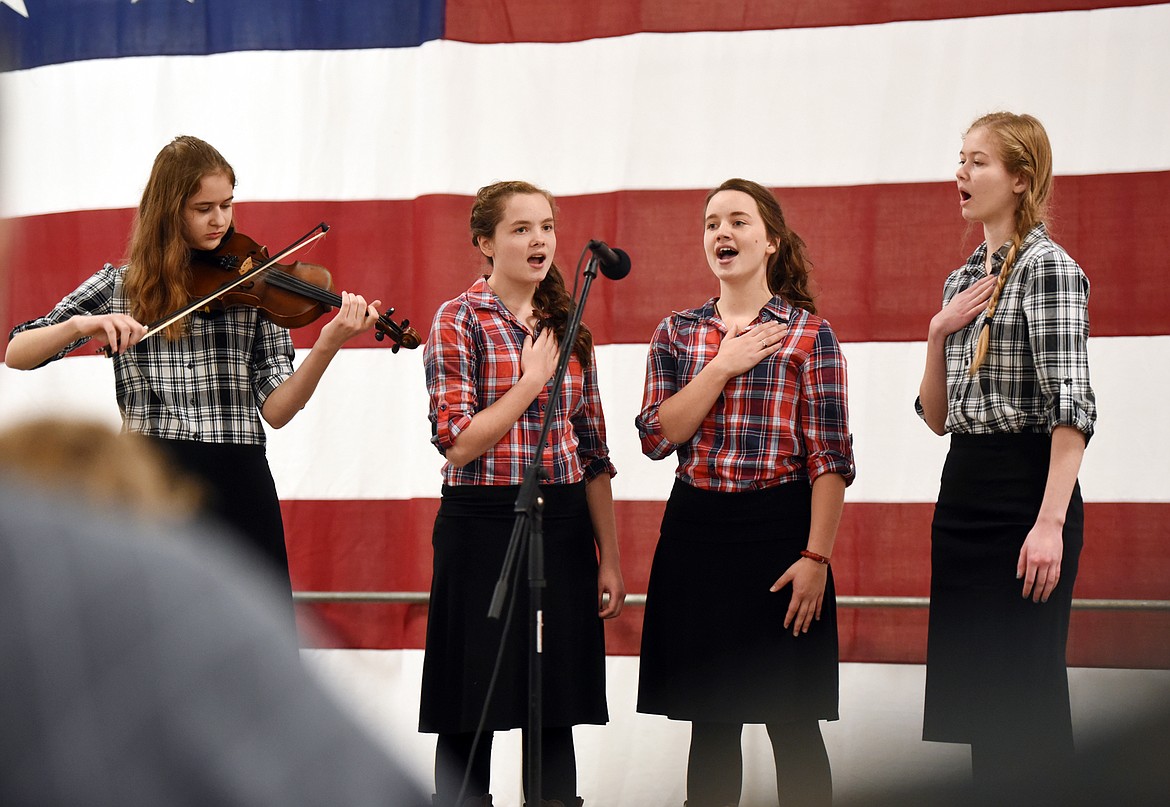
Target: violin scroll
<point>401,335</point>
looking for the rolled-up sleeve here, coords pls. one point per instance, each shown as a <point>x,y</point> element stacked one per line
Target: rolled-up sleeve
<point>824,414</point>
<point>661,383</point>
<point>589,426</point>
<point>91,298</point>
<point>450,360</point>
<point>1056,308</point>
<point>272,359</point>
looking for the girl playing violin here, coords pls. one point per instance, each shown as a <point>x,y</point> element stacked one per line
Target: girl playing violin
<point>201,386</point>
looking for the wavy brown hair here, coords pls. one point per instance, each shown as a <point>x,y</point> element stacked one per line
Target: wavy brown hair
<point>1023,147</point>
<point>788,266</point>
<point>157,275</point>
<point>552,303</point>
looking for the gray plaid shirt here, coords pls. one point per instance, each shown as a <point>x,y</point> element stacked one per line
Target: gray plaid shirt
<point>1036,374</point>
<point>207,386</point>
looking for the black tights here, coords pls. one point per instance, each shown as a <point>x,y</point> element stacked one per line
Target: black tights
<point>715,769</point>
<point>558,770</point>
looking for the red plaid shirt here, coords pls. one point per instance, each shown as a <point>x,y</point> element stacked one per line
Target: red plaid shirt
<point>787,418</point>
<point>472,358</point>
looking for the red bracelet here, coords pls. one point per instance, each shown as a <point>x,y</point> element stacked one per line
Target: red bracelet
<point>808,553</point>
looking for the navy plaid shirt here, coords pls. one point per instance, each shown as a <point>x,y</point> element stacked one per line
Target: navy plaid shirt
<point>785,419</point>
<point>207,386</point>
<point>472,358</point>
<point>1036,374</point>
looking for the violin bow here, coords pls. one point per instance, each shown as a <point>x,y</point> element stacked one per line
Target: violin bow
<point>296,246</point>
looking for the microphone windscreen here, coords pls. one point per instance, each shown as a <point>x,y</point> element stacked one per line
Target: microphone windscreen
<point>620,269</point>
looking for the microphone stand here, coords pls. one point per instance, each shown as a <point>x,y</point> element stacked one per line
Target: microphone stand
<point>528,530</point>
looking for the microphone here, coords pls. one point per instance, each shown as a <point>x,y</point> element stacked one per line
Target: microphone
<point>615,263</point>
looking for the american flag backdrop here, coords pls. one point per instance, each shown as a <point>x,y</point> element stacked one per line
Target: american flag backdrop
<point>382,118</point>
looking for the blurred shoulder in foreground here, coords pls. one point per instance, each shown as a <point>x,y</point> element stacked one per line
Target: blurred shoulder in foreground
<point>144,671</point>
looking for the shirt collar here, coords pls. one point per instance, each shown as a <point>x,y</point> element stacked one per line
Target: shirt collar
<point>481,295</point>
<point>775,309</point>
<point>977,260</point>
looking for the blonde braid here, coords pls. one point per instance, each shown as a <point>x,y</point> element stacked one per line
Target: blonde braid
<point>985,330</point>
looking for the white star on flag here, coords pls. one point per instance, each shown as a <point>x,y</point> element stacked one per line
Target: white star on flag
<point>17,6</point>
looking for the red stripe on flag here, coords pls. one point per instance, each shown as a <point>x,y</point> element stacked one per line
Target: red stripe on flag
<point>490,21</point>
<point>882,550</point>
<point>880,252</point>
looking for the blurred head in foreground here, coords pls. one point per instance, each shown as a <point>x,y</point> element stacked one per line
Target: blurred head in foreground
<point>108,469</point>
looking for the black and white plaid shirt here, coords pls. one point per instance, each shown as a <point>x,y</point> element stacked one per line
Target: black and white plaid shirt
<point>207,386</point>
<point>1036,374</point>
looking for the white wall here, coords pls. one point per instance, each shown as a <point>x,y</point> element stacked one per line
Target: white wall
<point>640,760</point>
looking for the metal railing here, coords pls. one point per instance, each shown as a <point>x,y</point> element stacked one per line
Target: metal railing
<point>422,598</point>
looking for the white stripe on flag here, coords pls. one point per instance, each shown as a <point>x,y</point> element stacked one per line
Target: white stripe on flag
<point>364,435</point>
<point>811,107</point>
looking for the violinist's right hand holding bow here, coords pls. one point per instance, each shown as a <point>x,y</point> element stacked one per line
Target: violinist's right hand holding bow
<point>31,348</point>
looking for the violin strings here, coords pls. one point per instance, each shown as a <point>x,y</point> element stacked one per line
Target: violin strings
<point>283,280</point>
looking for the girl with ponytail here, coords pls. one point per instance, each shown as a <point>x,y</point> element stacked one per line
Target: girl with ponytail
<point>1007,377</point>
<point>490,355</point>
<point>749,389</point>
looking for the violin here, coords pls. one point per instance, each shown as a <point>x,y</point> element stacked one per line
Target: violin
<point>240,272</point>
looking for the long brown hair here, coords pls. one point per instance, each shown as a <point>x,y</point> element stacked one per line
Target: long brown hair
<point>157,275</point>
<point>1022,145</point>
<point>788,266</point>
<point>552,303</point>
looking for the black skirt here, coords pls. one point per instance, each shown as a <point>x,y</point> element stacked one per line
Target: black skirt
<point>714,646</point>
<point>995,663</point>
<point>471,536</point>
<point>239,492</point>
